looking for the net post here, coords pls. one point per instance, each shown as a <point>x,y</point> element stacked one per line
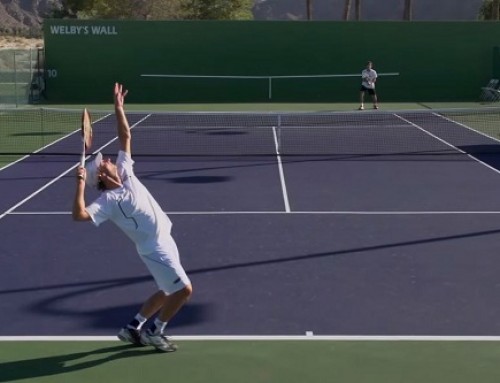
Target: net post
<point>278,134</point>
<point>270,87</point>
<point>15,78</point>
<point>42,126</point>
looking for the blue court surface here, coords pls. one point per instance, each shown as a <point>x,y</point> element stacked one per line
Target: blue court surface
<point>351,242</point>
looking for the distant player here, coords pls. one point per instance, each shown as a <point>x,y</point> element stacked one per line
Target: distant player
<point>126,202</point>
<point>368,79</point>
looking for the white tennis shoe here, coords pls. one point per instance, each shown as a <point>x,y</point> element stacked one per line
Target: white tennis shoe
<point>130,335</point>
<point>159,341</point>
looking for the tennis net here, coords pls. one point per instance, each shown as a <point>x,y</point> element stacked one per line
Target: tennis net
<point>258,86</point>
<point>56,131</point>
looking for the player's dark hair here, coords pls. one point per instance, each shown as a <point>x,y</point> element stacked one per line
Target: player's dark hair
<point>100,185</point>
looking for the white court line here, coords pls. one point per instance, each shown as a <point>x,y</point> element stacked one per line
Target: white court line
<point>295,212</point>
<point>281,171</point>
<point>466,127</point>
<point>448,144</point>
<point>20,203</point>
<point>8,211</point>
<point>308,337</point>
<point>49,145</point>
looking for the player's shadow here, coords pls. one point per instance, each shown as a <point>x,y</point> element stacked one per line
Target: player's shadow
<point>108,318</point>
<point>191,314</point>
<point>66,363</point>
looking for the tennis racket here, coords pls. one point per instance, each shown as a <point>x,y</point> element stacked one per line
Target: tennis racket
<point>86,135</point>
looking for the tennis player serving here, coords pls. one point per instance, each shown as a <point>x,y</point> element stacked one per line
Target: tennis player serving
<point>368,79</point>
<point>125,201</point>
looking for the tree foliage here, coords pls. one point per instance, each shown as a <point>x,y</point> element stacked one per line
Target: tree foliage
<point>156,9</point>
<point>218,9</point>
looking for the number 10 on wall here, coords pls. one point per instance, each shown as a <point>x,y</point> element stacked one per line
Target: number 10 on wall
<point>51,73</point>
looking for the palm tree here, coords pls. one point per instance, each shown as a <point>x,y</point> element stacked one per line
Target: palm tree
<point>495,9</point>
<point>357,8</point>
<point>347,9</point>
<point>408,10</point>
<point>309,9</point>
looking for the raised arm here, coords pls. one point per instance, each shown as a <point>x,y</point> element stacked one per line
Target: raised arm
<point>122,122</point>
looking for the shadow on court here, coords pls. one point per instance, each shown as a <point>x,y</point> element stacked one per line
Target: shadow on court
<point>200,179</point>
<point>190,315</point>
<point>102,316</point>
<point>62,364</point>
<point>109,317</point>
<point>488,154</point>
<point>115,317</point>
<point>340,252</point>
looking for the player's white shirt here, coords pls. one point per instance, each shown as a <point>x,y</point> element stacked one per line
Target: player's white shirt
<point>133,209</point>
<point>368,76</point>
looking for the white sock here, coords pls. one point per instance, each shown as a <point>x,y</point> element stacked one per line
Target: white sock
<point>159,326</point>
<point>137,322</point>
<point>141,320</point>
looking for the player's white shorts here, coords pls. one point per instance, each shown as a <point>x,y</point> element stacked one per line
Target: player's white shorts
<point>166,268</point>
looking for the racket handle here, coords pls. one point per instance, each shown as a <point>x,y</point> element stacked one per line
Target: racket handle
<point>82,161</point>
<point>82,158</point>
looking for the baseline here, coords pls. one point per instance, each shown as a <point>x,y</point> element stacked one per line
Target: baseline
<point>309,337</point>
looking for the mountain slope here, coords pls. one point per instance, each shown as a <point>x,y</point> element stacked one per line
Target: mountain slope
<point>23,15</point>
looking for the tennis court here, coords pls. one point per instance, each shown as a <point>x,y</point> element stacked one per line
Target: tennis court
<point>349,246</point>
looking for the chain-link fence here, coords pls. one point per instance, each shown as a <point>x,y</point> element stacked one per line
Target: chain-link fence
<point>21,76</point>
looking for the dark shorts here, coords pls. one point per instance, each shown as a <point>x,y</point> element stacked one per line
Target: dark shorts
<point>369,90</point>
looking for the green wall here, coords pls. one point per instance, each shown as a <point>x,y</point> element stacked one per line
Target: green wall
<point>437,61</point>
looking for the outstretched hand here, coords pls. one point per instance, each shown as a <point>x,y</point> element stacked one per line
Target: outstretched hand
<point>119,95</point>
